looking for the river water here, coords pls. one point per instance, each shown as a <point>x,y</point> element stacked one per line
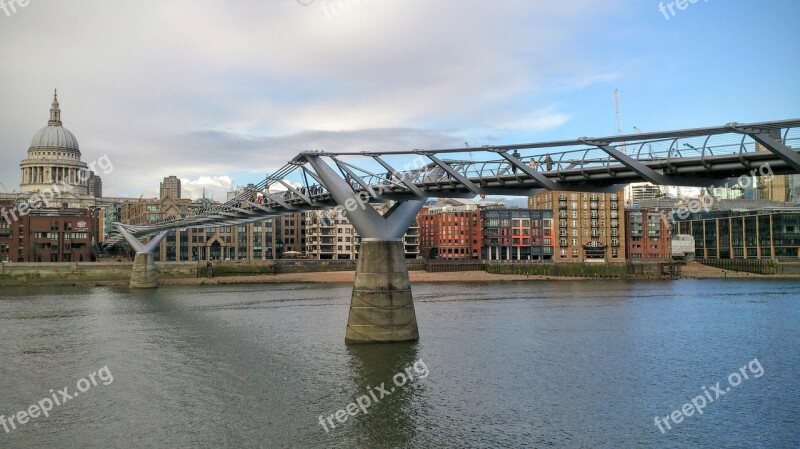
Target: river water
<point>573,364</point>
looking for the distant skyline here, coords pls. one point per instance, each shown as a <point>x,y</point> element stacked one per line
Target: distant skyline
<point>220,93</point>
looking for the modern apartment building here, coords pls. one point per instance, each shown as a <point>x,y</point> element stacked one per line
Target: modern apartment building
<point>329,235</point>
<point>518,234</point>
<point>648,236</point>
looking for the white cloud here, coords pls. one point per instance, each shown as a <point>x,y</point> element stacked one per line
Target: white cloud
<point>204,88</point>
<point>215,187</point>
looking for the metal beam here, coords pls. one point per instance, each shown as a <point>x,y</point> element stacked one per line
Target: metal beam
<point>647,173</point>
<point>296,192</point>
<point>283,203</point>
<point>357,178</point>
<point>777,148</point>
<point>367,221</point>
<point>313,175</point>
<point>401,176</point>
<point>471,186</point>
<point>259,206</point>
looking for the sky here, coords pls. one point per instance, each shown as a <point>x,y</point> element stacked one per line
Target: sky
<point>221,93</point>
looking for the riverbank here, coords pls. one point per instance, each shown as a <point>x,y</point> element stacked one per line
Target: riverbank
<point>346,277</point>
<point>343,272</point>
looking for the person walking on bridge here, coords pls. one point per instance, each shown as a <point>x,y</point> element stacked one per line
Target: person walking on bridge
<point>548,161</point>
<point>514,166</point>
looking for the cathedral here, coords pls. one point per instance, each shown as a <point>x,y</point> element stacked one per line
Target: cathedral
<point>54,157</point>
<point>54,169</point>
<point>53,217</point>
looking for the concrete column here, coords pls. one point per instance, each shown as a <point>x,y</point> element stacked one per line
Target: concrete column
<point>381,308</point>
<point>144,274</point>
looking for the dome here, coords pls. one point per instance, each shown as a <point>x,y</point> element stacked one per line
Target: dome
<point>53,136</point>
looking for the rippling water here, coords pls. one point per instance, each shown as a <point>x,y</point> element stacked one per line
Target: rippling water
<point>580,364</point>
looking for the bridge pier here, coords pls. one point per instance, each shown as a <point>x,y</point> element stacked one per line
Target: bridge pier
<point>144,273</point>
<point>381,307</point>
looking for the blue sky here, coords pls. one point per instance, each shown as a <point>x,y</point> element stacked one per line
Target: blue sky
<point>218,93</point>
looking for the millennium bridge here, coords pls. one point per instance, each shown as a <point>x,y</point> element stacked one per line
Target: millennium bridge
<point>382,308</point>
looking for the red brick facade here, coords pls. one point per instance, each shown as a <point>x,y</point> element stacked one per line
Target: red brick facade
<point>450,234</point>
<point>46,235</point>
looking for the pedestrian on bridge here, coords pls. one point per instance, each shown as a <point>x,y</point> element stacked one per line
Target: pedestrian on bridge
<point>548,161</point>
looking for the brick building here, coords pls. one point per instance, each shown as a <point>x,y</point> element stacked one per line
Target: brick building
<point>648,236</point>
<point>47,235</point>
<point>450,232</point>
<point>590,226</point>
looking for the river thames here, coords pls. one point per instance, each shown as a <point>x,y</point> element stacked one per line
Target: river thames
<point>573,364</point>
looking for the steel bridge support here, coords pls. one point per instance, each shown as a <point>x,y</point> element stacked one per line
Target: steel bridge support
<point>381,306</point>
<point>144,274</point>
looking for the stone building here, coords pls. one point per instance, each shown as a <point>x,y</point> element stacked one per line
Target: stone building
<point>170,187</point>
<point>54,157</point>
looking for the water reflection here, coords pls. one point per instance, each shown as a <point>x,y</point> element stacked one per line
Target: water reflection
<point>388,423</point>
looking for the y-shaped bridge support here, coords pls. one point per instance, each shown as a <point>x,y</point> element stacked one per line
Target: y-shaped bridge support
<point>381,308</point>
<point>144,274</point>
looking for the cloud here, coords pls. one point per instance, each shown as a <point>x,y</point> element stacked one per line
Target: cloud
<point>215,187</point>
<point>204,89</point>
<point>537,121</point>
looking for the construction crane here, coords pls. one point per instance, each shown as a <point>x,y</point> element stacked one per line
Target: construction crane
<point>616,107</point>
<point>623,147</point>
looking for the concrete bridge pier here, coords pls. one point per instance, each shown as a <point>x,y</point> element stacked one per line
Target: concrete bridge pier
<point>381,307</point>
<point>144,273</point>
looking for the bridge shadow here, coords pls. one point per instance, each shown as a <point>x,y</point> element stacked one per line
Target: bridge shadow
<point>392,421</point>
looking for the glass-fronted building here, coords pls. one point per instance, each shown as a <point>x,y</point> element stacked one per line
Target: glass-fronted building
<point>761,234</point>
<point>518,234</point>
